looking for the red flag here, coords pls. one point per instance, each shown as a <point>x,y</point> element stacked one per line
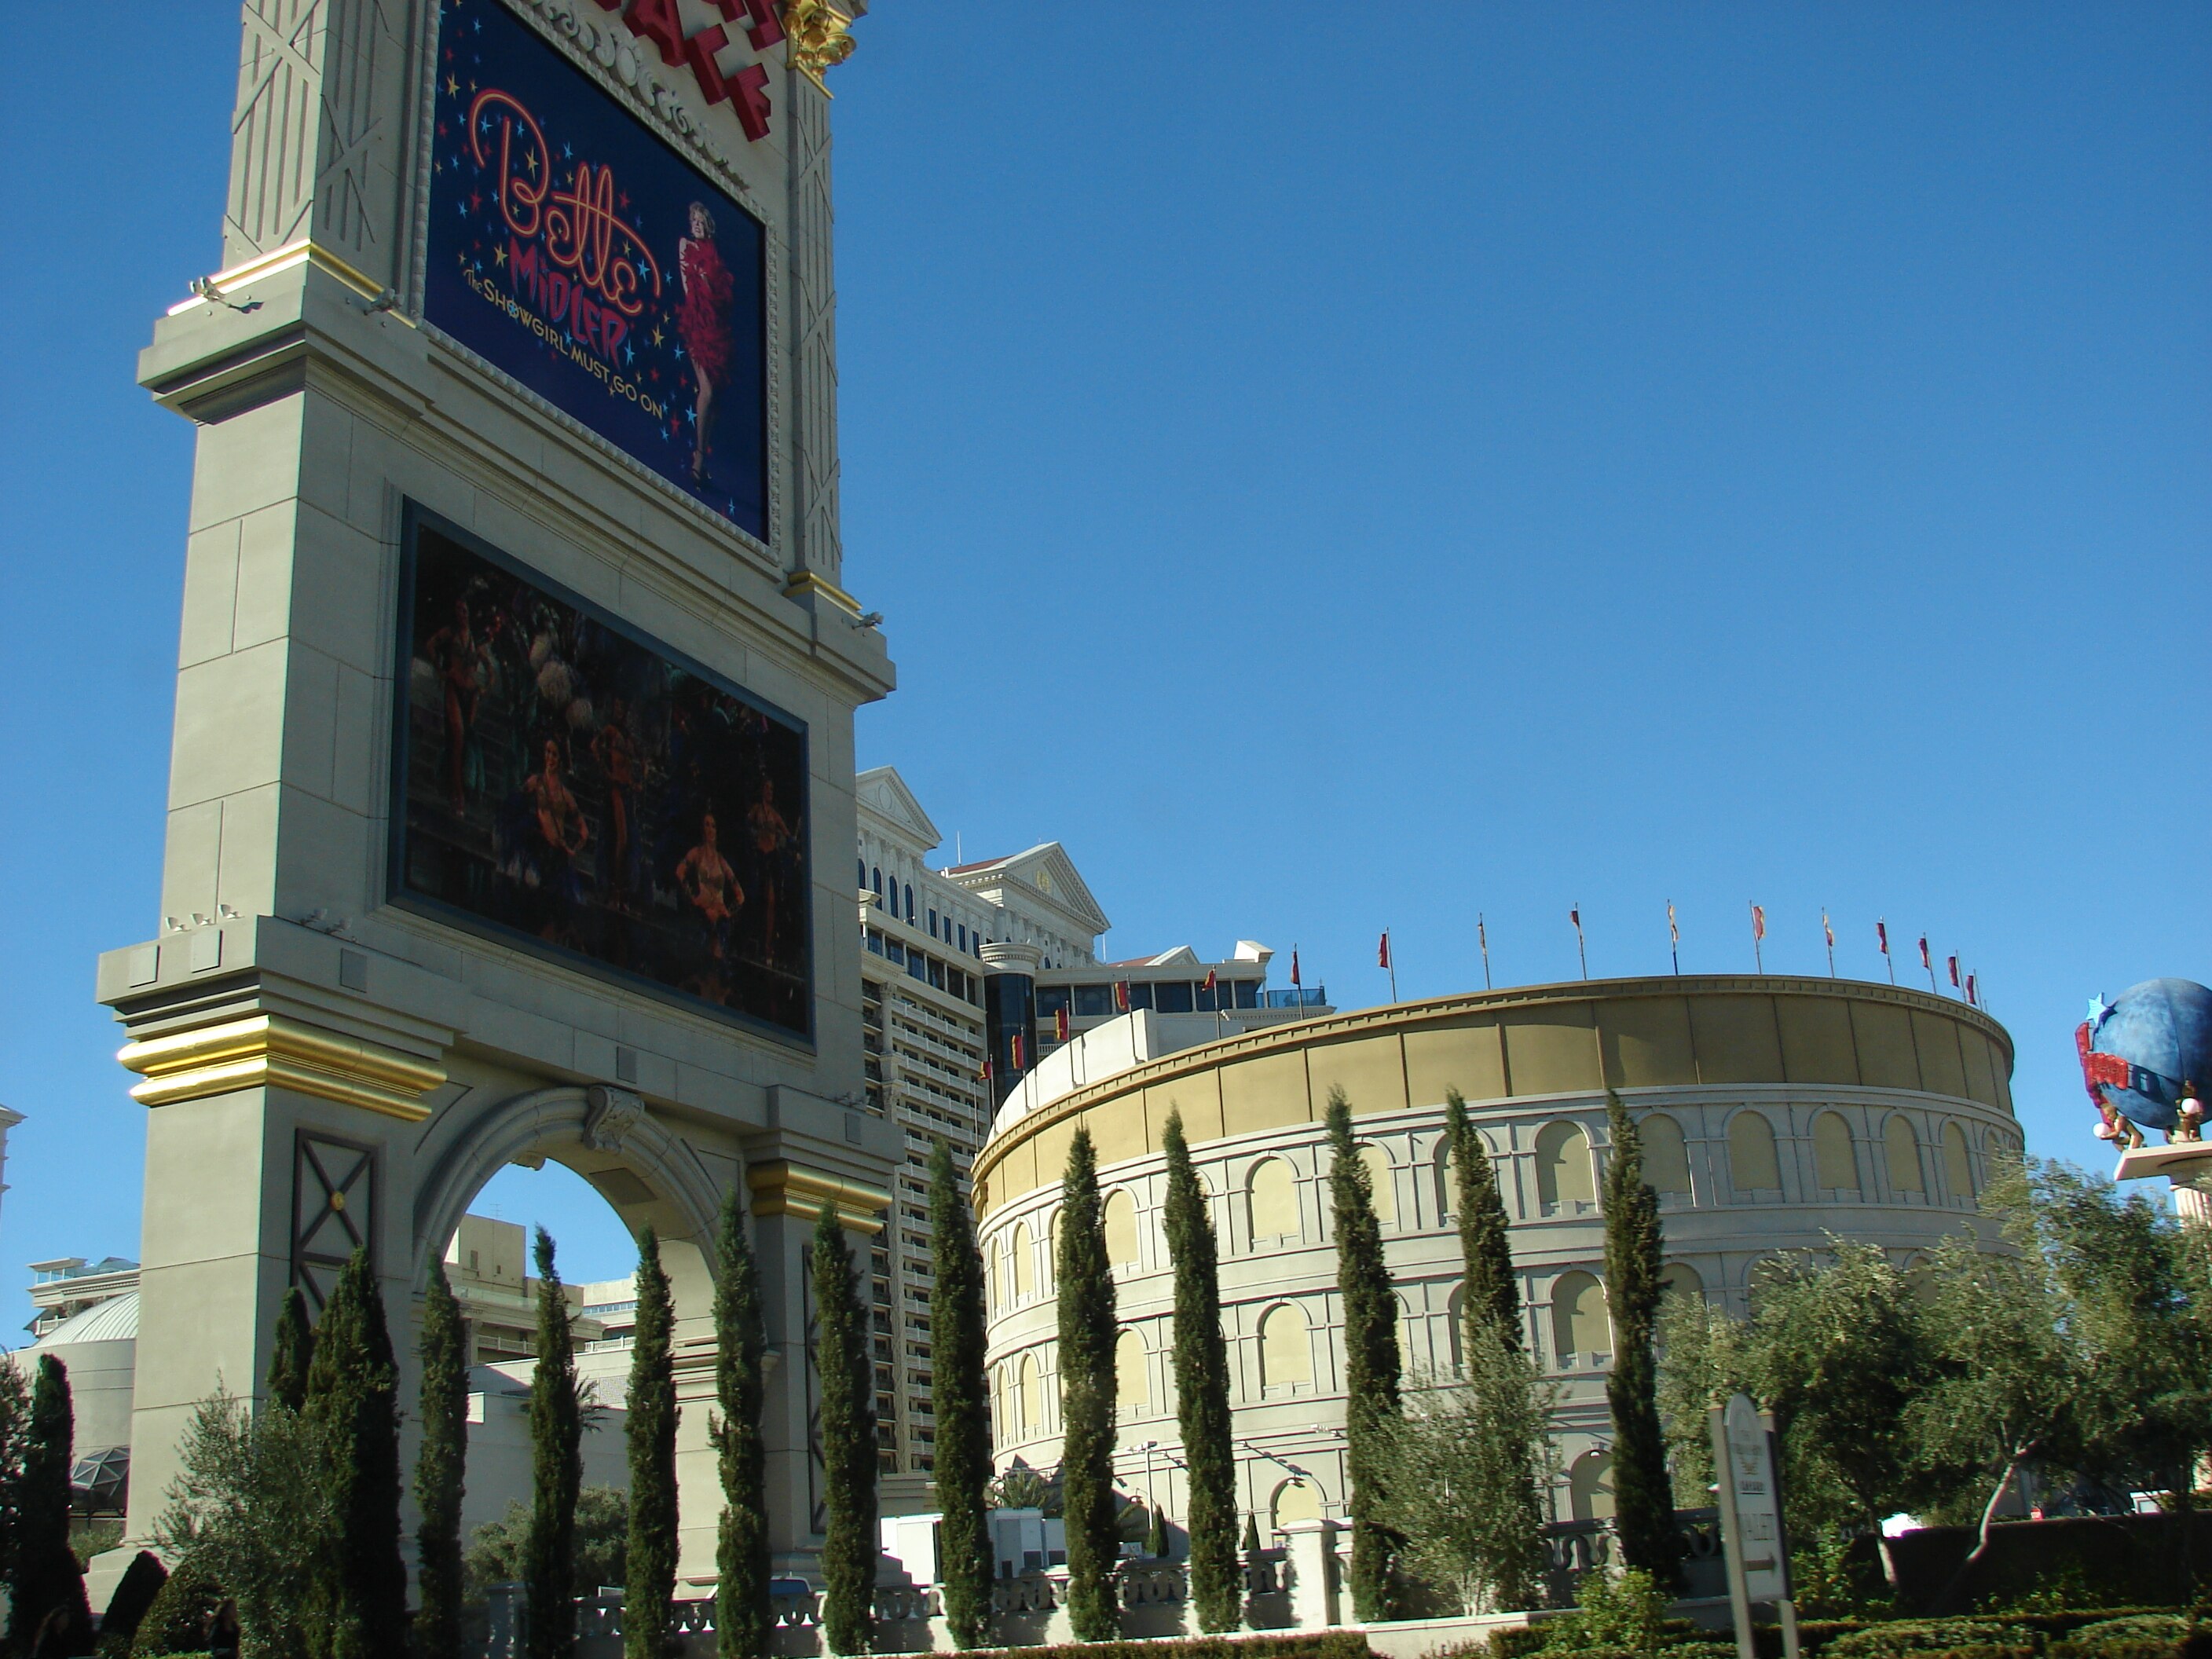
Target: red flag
<point>1121,996</point>
<point>1209,980</point>
<point>1827,928</point>
<point>1059,1023</point>
<point>1954,973</point>
<point>1295,980</point>
<point>1759,921</point>
<point>1575,916</point>
<point>1881,936</point>
<point>986,1073</point>
<point>1925,960</point>
<point>1018,1051</point>
<point>1382,953</point>
<point>1970,996</point>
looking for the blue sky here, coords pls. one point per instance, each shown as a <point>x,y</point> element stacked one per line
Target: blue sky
<point>1333,479</point>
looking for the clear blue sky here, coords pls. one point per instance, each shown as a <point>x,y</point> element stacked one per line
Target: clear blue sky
<point>1333,478</point>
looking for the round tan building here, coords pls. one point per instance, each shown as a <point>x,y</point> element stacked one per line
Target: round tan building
<point>1774,1112</point>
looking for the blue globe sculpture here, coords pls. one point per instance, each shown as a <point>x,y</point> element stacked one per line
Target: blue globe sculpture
<point>2161,1033</point>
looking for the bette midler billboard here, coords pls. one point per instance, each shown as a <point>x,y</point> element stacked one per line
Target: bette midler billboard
<point>572,249</point>
<point>565,783</point>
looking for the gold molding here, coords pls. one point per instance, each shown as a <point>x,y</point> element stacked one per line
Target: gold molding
<point>301,252</point>
<point>782,1187</point>
<point>807,581</point>
<point>818,37</point>
<point>270,1051</point>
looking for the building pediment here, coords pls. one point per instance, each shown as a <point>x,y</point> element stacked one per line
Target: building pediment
<point>1044,874</point>
<point>883,794</point>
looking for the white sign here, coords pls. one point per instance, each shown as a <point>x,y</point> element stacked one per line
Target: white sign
<point>1751,1506</point>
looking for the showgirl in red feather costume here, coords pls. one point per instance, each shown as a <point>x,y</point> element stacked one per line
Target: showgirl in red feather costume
<point>702,317</point>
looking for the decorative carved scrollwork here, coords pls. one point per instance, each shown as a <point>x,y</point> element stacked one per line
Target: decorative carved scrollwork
<point>610,1114</point>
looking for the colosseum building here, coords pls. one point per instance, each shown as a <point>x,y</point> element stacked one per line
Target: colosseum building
<point>1774,1112</point>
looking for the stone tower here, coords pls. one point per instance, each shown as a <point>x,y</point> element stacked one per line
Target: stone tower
<point>511,795</point>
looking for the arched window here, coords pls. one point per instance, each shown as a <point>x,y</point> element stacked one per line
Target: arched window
<point>1121,1217</point>
<point>1024,1263</point>
<point>1052,1251</point>
<point>1564,1185</point>
<point>863,881</point>
<point>1029,1398</point>
<point>1752,1166</point>
<point>1580,1327</point>
<point>1666,1154</point>
<point>1957,1167</point>
<point>876,880</point>
<point>1381,1176</point>
<point>1681,1278</point>
<point>1294,1500</point>
<point>1901,1152</point>
<point>1286,1355</point>
<point>1835,1160</point>
<point>1132,1379</point>
<point>1589,1486</point>
<point>909,901</point>
<point>1274,1193</point>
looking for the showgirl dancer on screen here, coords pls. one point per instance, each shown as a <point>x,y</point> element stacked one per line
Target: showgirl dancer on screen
<point>702,317</point>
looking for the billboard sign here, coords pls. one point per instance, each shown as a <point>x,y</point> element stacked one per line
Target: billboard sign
<point>566,784</point>
<point>572,250</point>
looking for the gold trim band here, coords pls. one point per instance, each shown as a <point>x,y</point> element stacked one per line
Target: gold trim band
<point>280,260</point>
<point>269,1051</point>
<point>783,1188</point>
<point>806,581</point>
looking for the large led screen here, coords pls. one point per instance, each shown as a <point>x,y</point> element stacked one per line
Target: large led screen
<point>571,248</point>
<point>569,784</point>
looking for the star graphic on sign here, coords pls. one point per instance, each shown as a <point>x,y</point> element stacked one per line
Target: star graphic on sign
<point>656,334</point>
<point>499,256</point>
<point>2098,1009</point>
<point>531,162</point>
<point>453,87</point>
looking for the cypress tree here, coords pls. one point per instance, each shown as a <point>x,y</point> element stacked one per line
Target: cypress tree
<point>960,1400</point>
<point>46,1576</point>
<point>649,1426</point>
<point>1492,1293</point>
<point>1371,1366</point>
<point>440,1468</point>
<point>359,1609</point>
<point>293,1351</point>
<point>1643,1498</point>
<point>556,1470</point>
<point>1087,1399</point>
<point>848,1442</point>
<point>1202,1366</point>
<point>741,1556</point>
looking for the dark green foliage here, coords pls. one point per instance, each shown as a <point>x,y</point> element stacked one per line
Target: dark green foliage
<point>358,1604</point>
<point>1087,1394</point>
<point>141,1583</point>
<point>741,1556</point>
<point>177,1620</point>
<point>1644,1498</point>
<point>1371,1366</point>
<point>1251,1545</point>
<point>498,1553</point>
<point>46,1576</point>
<point>441,1470</point>
<point>557,1468</point>
<point>1901,1637</point>
<point>1201,1364</point>
<point>1492,1295</point>
<point>960,1398</point>
<point>848,1441</point>
<point>649,1586</point>
<point>292,1352</point>
<point>14,1436</point>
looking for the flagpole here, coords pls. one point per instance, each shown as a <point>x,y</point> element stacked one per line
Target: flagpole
<point>1482,935</point>
<point>1582,949</point>
<point>1390,961</point>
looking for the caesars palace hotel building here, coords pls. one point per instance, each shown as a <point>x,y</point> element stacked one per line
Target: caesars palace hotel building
<point>1774,1112</point>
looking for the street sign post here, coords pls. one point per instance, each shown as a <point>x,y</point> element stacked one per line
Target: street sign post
<point>1752,1535</point>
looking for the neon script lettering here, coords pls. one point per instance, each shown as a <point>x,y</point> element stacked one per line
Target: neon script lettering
<point>568,252</point>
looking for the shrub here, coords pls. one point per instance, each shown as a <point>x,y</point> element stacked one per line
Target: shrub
<point>1332,1644</point>
<point>127,1608</point>
<point>2142,1636</point>
<point>1511,1642</point>
<point>1921,1637</point>
<point>1627,1613</point>
<point>177,1622</point>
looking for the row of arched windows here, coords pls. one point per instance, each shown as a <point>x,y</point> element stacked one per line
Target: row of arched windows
<point>1565,1183</point>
